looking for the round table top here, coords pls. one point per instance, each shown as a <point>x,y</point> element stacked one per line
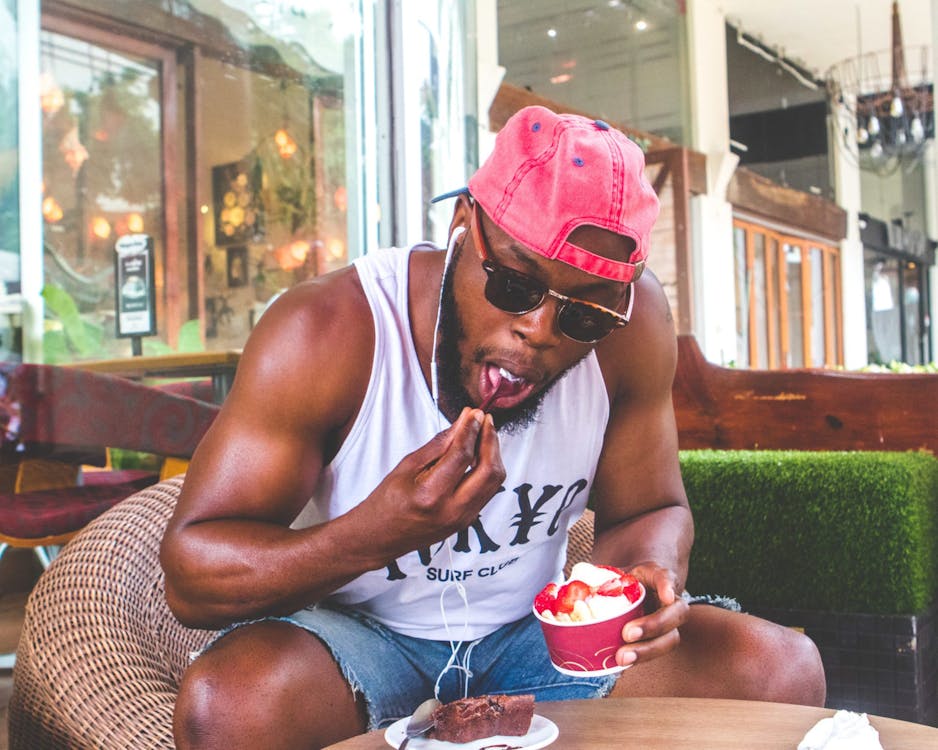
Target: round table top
<point>688,723</point>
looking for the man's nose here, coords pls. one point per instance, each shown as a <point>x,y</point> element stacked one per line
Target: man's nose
<point>538,328</point>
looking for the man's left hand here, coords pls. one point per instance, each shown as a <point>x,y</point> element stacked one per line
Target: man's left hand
<point>655,633</point>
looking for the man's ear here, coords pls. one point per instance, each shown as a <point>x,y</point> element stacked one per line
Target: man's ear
<point>462,214</point>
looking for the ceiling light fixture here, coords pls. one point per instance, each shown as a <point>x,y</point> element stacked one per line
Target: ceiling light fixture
<point>892,117</point>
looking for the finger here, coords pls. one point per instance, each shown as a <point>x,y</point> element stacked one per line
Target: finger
<point>647,650</point>
<point>663,583</point>
<point>458,453</point>
<point>661,621</point>
<point>430,452</point>
<point>488,471</point>
<point>659,583</point>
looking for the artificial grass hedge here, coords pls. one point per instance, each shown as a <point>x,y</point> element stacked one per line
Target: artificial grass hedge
<point>819,530</point>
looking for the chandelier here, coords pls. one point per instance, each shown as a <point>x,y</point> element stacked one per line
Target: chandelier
<point>893,113</point>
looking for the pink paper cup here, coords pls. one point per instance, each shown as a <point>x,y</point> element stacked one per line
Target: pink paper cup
<point>588,648</point>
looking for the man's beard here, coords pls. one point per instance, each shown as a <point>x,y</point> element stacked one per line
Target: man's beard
<point>451,373</point>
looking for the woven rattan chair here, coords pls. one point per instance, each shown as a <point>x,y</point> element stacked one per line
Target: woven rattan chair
<point>100,656</point>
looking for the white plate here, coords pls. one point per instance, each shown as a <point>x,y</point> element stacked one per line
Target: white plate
<point>542,732</point>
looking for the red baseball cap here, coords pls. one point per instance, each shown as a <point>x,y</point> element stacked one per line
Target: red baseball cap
<point>550,173</point>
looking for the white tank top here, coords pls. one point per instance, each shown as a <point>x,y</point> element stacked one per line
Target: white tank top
<point>518,543</point>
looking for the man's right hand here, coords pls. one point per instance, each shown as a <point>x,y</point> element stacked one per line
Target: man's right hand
<point>441,487</point>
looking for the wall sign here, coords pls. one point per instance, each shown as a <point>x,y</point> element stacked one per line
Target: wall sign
<point>135,287</point>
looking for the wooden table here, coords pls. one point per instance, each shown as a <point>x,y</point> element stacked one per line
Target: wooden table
<point>688,724</point>
<point>219,365</point>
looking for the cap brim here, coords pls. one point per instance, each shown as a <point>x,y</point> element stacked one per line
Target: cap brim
<point>450,194</point>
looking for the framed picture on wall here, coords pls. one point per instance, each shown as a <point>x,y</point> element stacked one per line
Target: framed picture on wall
<point>238,209</point>
<point>237,266</point>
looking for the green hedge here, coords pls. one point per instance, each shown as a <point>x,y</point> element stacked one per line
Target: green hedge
<point>832,531</point>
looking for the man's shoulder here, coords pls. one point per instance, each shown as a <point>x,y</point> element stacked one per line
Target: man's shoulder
<point>322,319</point>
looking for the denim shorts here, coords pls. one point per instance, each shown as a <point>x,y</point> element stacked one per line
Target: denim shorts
<point>396,672</point>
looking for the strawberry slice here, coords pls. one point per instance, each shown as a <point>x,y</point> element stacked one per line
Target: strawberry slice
<point>631,587</point>
<point>569,594</point>
<point>547,599</point>
<point>610,588</point>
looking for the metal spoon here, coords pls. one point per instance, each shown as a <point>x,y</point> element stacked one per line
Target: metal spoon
<point>420,721</point>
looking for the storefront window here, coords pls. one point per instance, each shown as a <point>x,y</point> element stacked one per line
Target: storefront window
<point>228,132</point>
<point>912,299</point>
<point>882,284</point>
<point>102,179</point>
<point>897,310</point>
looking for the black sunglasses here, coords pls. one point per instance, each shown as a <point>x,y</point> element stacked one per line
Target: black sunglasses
<point>515,292</point>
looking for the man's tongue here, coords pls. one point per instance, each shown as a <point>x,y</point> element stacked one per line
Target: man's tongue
<point>502,388</point>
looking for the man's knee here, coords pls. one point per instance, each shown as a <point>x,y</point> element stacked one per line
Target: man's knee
<point>784,666</point>
<point>254,689</point>
<point>801,678</point>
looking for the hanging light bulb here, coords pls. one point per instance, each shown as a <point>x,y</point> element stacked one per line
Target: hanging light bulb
<point>100,227</point>
<point>52,210</point>
<point>873,125</point>
<point>863,135</point>
<point>876,150</point>
<point>286,146</point>
<point>917,129</point>
<point>135,222</point>
<point>896,109</point>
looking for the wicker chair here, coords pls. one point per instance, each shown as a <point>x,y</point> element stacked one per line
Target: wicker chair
<point>100,656</point>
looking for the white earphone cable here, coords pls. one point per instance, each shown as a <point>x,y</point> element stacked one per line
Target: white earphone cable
<point>453,662</point>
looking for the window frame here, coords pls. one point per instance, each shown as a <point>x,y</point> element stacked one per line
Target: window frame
<point>775,336</point>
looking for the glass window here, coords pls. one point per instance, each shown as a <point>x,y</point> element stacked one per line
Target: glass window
<point>913,313</point>
<point>438,84</point>
<point>232,136</point>
<point>102,178</point>
<point>759,281</point>
<point>9,157</point>
<point>742,296</point>
<point>618,60</point>
<point>882,285</point>
<point>794,294</point>
<point>818,339</point>
<point>787,297</point>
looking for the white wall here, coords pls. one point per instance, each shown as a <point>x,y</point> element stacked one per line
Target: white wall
<point>847,189</point>
<point>714,303</point>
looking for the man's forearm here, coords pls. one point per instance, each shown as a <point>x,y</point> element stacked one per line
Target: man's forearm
<point>224,571</point>
<point>663,536</point>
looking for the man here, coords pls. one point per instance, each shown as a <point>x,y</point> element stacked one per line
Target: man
<point>433,521</point>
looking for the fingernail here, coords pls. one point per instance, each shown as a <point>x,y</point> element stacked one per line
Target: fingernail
<point>633,634</point>
<point>488,418</point>
<point>626,658</point>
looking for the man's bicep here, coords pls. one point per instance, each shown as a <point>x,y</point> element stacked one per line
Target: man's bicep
<point>300,379</point>
<point>251,466</point>
<point>639,469</point>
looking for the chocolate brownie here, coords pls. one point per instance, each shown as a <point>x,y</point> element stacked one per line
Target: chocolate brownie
<point>470,719</point>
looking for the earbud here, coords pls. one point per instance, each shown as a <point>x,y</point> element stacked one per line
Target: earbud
<point>457,232</point>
